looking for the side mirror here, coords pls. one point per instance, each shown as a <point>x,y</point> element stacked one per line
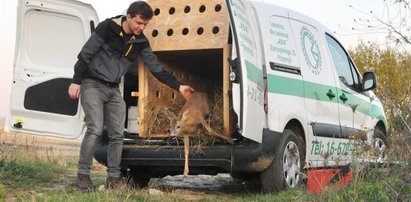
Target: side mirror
<point>369,81</point>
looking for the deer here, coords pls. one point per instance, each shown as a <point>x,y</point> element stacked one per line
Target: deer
<point>191,115</point>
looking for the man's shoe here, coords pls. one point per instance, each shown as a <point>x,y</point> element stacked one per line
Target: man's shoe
<point>84,182</point>
<point>115,183</point>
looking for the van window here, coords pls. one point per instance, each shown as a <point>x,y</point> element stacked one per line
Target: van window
<point>346,70</point>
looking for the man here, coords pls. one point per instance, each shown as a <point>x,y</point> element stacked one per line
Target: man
<point>110,52</point>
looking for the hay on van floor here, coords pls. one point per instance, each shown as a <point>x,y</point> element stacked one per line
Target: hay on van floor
<point>158,120</point>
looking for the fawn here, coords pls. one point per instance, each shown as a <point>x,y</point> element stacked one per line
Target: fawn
<point>190,116</point>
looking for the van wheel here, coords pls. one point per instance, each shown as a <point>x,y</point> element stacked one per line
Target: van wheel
<point>285,169</point>
<point>380,145</point>
<point>135,180</point>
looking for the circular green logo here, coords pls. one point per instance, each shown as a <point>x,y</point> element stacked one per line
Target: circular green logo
<point>311,50</point>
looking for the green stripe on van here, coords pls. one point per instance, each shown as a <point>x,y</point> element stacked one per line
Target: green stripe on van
<point>285,86</point>
<point>374,110</point>
<point>254,74</point>
<point>295,87</point>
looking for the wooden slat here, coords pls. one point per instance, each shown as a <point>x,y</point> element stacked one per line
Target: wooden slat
<point>142,105</point>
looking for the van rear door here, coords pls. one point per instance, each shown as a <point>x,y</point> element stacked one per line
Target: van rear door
<point>249,78</point>
<point>49,36</point>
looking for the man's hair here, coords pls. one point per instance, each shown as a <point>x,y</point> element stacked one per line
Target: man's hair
<point>140,8</point>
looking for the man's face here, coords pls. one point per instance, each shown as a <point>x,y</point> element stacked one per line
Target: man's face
<point>136,24</point>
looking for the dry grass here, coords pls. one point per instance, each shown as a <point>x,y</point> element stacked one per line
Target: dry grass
<point>19,146</point>
<point>399,146</point>
<point>158,118</point>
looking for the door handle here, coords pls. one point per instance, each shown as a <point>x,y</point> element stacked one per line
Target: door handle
<point>343,97</point>
<point>330,94</point>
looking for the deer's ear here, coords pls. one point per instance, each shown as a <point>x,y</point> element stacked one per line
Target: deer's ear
<point>185,115</point>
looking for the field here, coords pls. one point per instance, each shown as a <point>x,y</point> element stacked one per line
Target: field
<point>38,169</point>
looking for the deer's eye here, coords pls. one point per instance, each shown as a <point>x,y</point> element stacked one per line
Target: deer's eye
<point>177,126</point>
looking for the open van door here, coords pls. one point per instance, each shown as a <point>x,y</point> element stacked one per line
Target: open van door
<point>50,33</point>
<point>247,69</point>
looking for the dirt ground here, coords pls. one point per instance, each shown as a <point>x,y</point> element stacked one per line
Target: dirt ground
<point>194,187</point>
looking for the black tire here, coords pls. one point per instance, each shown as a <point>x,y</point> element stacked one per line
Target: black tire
<point>380,145</point>
<point>135,180</point>
<point>286,167</point>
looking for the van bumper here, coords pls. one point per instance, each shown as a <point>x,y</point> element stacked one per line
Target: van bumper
<point>161,160</point>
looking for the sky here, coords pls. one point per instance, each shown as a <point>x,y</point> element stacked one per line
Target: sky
<point>337,15</point>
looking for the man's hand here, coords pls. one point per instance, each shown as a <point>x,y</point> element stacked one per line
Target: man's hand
<point>74,91</point>
<point>186,91</point>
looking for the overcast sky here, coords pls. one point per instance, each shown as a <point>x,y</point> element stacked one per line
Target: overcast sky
<point>334,14</point>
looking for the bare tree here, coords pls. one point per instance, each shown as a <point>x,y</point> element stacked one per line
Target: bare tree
<point>394,21</point>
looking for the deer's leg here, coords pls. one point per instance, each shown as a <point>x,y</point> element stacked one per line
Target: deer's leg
<point>213,133</point>
<point>186,153</point>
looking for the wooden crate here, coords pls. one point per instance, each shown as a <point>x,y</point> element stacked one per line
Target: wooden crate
<point>198,59</point>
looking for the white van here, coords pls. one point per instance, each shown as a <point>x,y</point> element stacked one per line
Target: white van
<point>292,96</point>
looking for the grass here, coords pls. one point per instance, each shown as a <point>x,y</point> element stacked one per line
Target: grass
<point>44,173</point>
<point>26,174</point>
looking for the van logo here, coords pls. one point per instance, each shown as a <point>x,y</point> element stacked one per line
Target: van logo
<point>311,51</point>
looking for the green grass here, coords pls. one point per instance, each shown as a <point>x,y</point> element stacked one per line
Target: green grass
<point>28,174</point>
<point>2,191</point>
<point>25,174</point>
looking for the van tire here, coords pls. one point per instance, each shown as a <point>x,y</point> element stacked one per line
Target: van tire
<point>380,144</point>
<point>137,182</point>
<point>274,178</point>
<point>134,180</point>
